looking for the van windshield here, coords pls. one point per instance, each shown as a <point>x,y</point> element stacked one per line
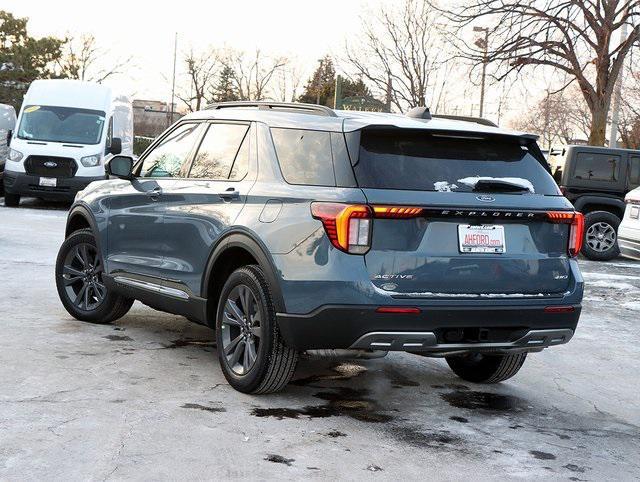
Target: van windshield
<point>61,124</point>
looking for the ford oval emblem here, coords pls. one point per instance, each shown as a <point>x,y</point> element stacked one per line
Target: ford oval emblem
<point>51,164</point>
<point>486,199</point>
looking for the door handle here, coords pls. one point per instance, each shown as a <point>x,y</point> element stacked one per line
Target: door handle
<point>229,194</point>
<point>154,193</point>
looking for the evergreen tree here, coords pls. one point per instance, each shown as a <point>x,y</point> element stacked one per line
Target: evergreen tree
<point>23,58</point>
<point>225,89</point>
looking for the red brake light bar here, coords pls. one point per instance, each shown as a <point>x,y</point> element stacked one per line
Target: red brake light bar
<point>396,212</point>
<point>398,310</point>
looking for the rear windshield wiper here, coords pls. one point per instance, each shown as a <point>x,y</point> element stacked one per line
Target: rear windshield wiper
<point>498,185</point>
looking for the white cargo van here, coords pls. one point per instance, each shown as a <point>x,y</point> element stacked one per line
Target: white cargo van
<point>64,131</point>
<point>7,125</point>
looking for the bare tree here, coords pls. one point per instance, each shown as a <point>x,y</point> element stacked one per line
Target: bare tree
<point>202,70</point>
<point>629,124</point>
<point>81,60</point>
<point>401,49</point>
<point>253,74</point>
<point>287,83</point>
<point>577,37</point>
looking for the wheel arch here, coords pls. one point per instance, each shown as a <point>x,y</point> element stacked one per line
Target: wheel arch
<point>79,218</point>
<point>588,204</point>
<point>237,248</point>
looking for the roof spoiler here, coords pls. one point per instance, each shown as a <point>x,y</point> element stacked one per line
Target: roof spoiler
<point>283,106</point>
<point>464,118</point>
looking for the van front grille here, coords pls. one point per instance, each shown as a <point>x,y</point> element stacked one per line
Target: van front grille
<point>50,166</point>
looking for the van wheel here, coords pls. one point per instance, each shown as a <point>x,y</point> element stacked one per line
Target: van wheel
<point>252,354</point>
<point>600,236</point>
<point>81,289</point>
<point>11,200</point>
<point>481,368</point>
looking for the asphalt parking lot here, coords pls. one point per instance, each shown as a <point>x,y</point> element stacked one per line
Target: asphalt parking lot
<point>144,398</point>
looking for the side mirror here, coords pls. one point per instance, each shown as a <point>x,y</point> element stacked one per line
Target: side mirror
<point>120,166</point>
<point>9,136</point>
<point>116,146</point>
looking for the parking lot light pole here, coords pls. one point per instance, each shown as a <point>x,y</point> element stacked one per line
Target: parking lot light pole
<point>484,44</point>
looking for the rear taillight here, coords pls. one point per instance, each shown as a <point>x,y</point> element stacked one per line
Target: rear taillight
<point>348,226</point>
<point>576,230</point>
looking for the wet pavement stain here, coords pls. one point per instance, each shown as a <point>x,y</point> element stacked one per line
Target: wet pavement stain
<point>455,418</point>
<point>484,401</point>
<point>203,407</point>
<point>575,468</point>
<point>450,386</point>
<point>374,468</point>
<point>279,459</point>
<point>344,371</point>
<point>118,338</point>
<point>542,455</point>
<point>442,439</point>
<point>336,434</point>
<point>187,342</point>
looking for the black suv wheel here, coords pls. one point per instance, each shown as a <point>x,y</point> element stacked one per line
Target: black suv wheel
<point>79,281</point>
<point>600,236</point>
<point>480,368</point>
<point>252,355</point>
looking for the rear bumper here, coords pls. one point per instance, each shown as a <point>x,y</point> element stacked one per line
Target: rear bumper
<point>629,248</point>
<point>433,329</point>
<point>28,185</point>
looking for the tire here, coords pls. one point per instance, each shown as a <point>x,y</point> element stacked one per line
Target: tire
<point>79,267</point>
<point>602,223</point>
<point>11,200</point>
<point>252,354</point>
<point>481,368</point>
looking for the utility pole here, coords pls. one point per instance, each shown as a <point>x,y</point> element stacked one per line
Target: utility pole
<point>389,92</point>
<point>337,98</point>
<point>484,44</point>
<point>173,81</point>
<point>615,114</point>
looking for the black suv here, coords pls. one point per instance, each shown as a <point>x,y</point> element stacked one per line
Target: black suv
<point>293,228</point>
<point>595,180</point>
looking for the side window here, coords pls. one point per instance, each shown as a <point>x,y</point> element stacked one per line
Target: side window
<point>597,167</point>
<point>634,171</point>
<point>222,145</point>
<point>170,157</point>
<point>304,156</point>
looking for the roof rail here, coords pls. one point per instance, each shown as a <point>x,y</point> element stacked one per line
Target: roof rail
<point>419,113</point>
<point>266,105</point>
<point>464,118</point>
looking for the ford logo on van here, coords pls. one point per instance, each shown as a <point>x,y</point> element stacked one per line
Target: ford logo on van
<point>486,199</point>
<point>50,164</point>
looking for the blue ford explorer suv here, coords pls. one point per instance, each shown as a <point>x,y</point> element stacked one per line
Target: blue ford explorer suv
<point>292,228</point>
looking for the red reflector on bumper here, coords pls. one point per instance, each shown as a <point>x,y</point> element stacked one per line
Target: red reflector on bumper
<point>398,309</point>
<point>559,309</point>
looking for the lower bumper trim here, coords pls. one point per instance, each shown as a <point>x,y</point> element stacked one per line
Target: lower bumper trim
<point>427,341</point>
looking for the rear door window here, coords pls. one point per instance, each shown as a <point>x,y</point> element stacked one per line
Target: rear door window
<point>423,161</point>
<point>220,148</point>
<point>597,167</point>
<point>305,156</point>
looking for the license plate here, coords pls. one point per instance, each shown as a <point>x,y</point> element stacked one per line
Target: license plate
<point>635,212</point>
<point>48,181</point>
<point>486,238</point>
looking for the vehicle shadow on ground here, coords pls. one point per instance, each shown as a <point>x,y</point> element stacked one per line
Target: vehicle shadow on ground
<point>35,203</point>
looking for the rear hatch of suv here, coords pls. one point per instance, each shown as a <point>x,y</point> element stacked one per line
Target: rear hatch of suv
<point>462,215</point>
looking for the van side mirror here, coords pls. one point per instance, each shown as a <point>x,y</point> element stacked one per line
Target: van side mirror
<point>120,166</point>
<point>9,136</point>
<point>116,146</point>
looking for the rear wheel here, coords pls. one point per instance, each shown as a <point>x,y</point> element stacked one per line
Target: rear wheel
<point>252,354</point>
<point>600,236</point>
<point>481,368</point>
<point>11,200</point>
<point>81,289</point>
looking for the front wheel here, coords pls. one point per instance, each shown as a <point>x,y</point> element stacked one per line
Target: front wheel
<point>252,354</point>
<point>481,368</point>
<point>81,289</point>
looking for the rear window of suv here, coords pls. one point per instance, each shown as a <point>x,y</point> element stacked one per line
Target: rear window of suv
<point>422,161</point>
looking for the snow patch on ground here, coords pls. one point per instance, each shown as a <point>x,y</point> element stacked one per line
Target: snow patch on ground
<point>516,181</point>
<point>611,285</point>
<point>608,276</point>
<point>632,305</point>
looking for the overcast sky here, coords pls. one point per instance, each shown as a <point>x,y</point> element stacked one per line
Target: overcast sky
<point>145,31</point>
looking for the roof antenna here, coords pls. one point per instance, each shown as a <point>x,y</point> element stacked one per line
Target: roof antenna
<point>419,113</point>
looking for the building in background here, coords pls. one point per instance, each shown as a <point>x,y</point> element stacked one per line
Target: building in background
<point>151,117</point>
